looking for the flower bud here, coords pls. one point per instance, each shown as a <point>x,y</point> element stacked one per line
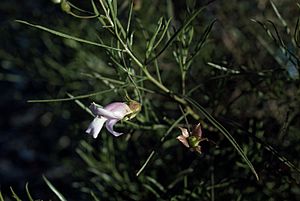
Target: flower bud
<point>135,108</point>
<point>65,6</point>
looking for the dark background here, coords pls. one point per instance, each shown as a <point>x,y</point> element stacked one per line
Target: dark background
<point>40,138</point>
<point>34,138</point>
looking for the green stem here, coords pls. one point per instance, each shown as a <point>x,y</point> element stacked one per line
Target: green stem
<point>178,99</point>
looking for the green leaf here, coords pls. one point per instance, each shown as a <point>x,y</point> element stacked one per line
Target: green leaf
<point>224,131</point>
<point>63,35</point>
<point>283,22</point>
<point>150,44</point>
<point>88,160</point>
<point>166,27</point>
<point>152,190</point>
<point>72,98</point>
<point>94,196</point>
<point>1,197</point>
<point>28,193</point>
<point>15,195</point>
<point>54,190</point>
<point>156,183</point>
<point>129,18</point>
<point>95,8</point>
<point>179,31</point>
<point>112,9</point>
<point>202,40</point>
<point>81,105</point>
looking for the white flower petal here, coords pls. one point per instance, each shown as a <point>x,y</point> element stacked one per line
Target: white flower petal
<point>110,127</point>
<point>184,132</point>
<point>109,114</point>
<point>96,126</point>
<point>117,106</point>
<point>183,140</point>
<point>93,107</point>
<point>116,110</point>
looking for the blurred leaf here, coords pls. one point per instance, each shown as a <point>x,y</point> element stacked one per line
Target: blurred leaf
<point>280,17</point>
<point>63,35</point>
<point>223,130</point>
<point>14,195</point>
<point>152,190</point>
<point>202,40</point>
<point>1,197</point>
<point>156,183</point>
<point>28,193</point>
<point>54,190</point>
<point>180,176</point>
<point>94,196</point>
<point>179,31</point>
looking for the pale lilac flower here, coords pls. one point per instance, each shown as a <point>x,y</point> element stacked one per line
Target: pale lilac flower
<point>192,140</point>
<point>183,137</point>
<point>110,115</point>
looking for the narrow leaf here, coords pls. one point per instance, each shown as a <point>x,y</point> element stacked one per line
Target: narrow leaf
<point>28,193</point>
<point>152,190</point>
<point>296,34</point>
<point>202,40</point>
<point>224,131</point>
<point>54,190</point>
<point>15,195</point>
<point>283,22</point>
<point>150,44</point>
<point>81,105</point>
<point>129,18</point>
<point>63,35</point>
<point>71,98</point>
<point>174,36</point>
<point>94,196</point>
<point>156,183</point>
<point>166,27</point>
